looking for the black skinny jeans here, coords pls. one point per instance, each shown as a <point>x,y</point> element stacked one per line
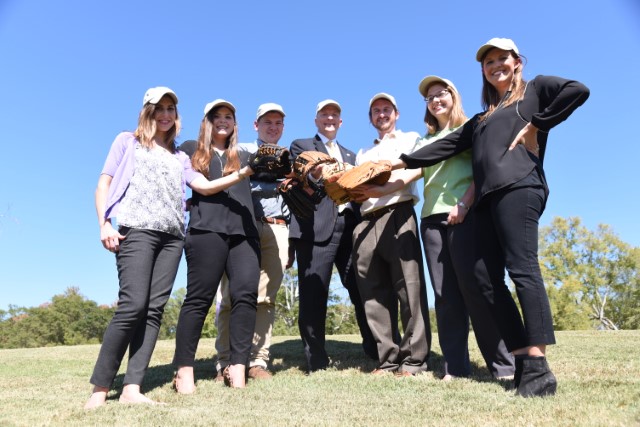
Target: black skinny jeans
<point>147,266</point>
<point>507,237</point>
<point>209,255</point>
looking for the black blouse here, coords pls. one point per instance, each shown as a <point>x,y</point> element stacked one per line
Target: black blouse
<point>547,102</point>
<point>229,211</point>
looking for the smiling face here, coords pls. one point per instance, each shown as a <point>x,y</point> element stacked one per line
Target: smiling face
<point>165,115</point>
<point>499,67</point>
<point>328,121</point>
<point>269,127</point>
<point>383,116</point>
<point>439,101</point>
<point>223,122</point>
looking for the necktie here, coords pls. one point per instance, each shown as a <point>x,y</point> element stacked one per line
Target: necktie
<point>333,150</point>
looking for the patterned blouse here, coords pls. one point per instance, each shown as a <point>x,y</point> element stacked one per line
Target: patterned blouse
<point>153,200</point>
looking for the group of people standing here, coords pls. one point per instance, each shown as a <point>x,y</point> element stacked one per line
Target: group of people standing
<point>484,191</point>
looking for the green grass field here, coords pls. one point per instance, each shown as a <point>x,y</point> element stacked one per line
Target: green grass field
<point>598,375</point>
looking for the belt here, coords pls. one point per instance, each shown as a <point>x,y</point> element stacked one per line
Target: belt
<point>269,220</point>
<point>384,210</point>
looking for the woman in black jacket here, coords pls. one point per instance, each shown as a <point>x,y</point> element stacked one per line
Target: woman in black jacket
<point>508,142</point>
<point>221,238</point>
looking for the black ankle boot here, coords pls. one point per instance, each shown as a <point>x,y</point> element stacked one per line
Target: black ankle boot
<point>536,378</point>
<point>518,373</point>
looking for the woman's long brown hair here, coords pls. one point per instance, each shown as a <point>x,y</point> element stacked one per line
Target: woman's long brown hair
<point>205,151</point>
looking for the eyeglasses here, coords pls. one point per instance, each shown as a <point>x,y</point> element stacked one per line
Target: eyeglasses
<point>438,95</point>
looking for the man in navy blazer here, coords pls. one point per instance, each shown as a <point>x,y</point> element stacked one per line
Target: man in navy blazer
<point>322,241</point>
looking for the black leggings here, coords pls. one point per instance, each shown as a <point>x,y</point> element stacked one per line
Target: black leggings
<point>507,237</point>
<point>209,255</point>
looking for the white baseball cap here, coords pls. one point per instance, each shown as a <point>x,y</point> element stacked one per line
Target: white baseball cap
<point>500,43</point>
<point>383,95</point>
<point>155,94</point>
<point>326,102</point>
<point>430,80</point>
<point>269,106</point>
<point>218,103</point>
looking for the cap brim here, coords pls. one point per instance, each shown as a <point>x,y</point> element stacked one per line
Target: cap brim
<point>431,80</point>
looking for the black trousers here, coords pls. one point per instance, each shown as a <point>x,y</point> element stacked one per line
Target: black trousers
<point>147,265</point>
<point>315,264</point>
<point>209,255</point>
<point>507,238</point>
<point>449,251</point>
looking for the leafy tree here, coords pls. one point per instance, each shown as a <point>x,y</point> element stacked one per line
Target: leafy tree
<point>171,314</point>
<point>69,319</point>
<point>287,305</point>
<point>592,276</point>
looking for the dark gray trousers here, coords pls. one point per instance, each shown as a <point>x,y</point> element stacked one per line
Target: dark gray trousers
<point>147,266</point>
<point>449,255</point>
<point>388,260</point>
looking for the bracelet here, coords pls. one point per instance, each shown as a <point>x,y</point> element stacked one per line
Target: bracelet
<point>462,205</point>
<point>241,176</point>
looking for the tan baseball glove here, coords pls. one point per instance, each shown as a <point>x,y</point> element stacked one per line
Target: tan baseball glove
<point>331,173</point>
<point>308,160</point>
<point>377,173</point>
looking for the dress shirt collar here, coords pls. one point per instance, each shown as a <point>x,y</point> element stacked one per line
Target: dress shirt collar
<point>389,135</point>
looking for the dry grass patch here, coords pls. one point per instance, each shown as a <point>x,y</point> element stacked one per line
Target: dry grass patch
<point>598,375</point>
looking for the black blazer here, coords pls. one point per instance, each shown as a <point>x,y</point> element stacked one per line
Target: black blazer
<point>319,228</point>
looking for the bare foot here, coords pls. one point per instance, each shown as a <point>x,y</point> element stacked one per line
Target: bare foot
<point>98,398</point>
<point>131,394</point>
<point>184,381</point>
<point>235,376</point>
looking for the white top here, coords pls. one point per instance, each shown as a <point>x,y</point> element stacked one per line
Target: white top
<point>389,148</point>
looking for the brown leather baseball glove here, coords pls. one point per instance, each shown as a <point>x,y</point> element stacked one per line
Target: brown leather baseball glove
<point>331,173</point>
<point>308,160</point>
<point>377,173</point>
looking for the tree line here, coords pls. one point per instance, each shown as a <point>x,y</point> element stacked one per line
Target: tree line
<point>591,277</point>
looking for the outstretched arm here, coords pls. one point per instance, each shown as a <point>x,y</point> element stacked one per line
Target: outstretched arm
<point>398,179</point>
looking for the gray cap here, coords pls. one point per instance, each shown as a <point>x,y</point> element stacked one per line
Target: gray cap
<point>429,80</point>
<point>326,102</point>
<point>383,95</point>
<point>155,94</point>
<point>504,44</point>
<point>269,106</point>
<point>217,103</point>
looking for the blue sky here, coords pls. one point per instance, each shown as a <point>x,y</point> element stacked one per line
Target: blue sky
<point>74,73</point>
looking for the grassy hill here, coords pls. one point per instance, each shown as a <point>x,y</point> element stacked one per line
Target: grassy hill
<point>598,375</point>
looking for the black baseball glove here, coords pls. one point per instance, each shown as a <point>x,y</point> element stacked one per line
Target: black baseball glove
<point>271,158</point>
<point>301,199</point>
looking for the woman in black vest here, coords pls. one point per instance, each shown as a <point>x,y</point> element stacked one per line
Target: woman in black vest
<point>508,142</point>
<point>221,238</point>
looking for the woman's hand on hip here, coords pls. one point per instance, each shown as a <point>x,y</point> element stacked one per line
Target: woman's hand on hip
<point>528,136</point>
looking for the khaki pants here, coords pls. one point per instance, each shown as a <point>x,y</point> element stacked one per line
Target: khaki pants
<point>274,243</point>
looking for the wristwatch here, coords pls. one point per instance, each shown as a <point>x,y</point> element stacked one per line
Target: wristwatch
<point>462,205</point>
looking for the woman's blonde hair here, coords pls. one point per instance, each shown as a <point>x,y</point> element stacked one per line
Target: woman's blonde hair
<point>457,115</point>
<point>205,151</point>
<point>491,100</point>
<point>147,128</point>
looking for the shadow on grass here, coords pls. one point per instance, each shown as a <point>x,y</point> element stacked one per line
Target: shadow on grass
<point>160,375</point>
<point>289,355</point>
